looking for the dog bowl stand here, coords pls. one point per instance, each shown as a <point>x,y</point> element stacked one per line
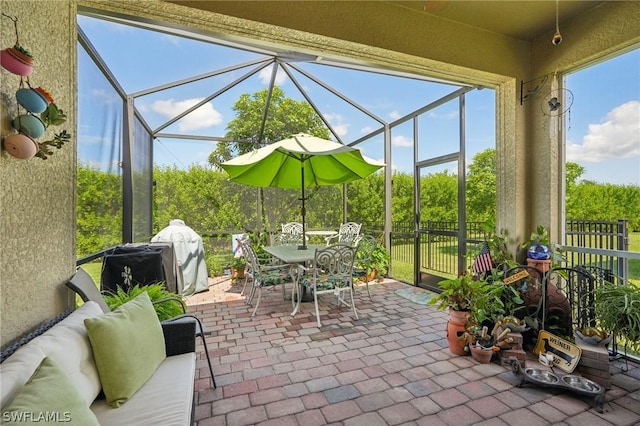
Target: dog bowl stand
<point>571,382</point>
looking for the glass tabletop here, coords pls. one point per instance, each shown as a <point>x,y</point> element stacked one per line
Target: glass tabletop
<point>292,254</point>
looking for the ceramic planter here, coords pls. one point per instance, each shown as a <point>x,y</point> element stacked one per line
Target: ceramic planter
<point>456,329</point>
<point>16,62</point>
<point>481,354</point>
<point>29,125</point>
<point>237,273</point>
<point>20,146</point>
<point>33,100</point>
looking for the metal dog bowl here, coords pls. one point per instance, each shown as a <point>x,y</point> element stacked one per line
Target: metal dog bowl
<point>543,376</point>
<point>582,384</point>
<point>573,383</point>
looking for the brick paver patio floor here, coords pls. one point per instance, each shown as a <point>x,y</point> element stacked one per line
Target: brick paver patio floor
<point>390,367</point>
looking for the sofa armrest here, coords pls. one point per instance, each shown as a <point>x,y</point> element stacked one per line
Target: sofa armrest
<point>179,336</point>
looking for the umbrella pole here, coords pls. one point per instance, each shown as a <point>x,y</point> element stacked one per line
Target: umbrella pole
<point>304,212</point>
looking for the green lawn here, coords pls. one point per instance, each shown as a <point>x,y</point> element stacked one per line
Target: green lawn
<point>634,264</point>
<point>404,270</point>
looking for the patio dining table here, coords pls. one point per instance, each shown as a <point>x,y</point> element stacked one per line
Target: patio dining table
<point>294,256</point>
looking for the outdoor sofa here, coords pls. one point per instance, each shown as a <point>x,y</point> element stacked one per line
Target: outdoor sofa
<point>87,367</point>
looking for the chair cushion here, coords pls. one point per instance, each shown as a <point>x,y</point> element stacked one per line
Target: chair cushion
<point>48,397</point>
<point>128,345</point>
<point>274,277</point>
<point>324,282</point>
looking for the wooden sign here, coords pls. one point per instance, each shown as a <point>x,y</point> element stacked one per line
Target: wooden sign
<point>515,277</point>
<point>565,354</point>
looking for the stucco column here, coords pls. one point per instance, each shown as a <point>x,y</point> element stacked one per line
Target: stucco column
<point>511,162</point>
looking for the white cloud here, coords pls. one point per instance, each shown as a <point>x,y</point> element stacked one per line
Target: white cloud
<point>265,76</point>
<point>105,97</point>
<point>618,136</point>
<point>337,123</point>
<point>443,114</point>
<point>366,130</point>
<point>394,115</point>
<point>201,118</point>
<point>402,141</point>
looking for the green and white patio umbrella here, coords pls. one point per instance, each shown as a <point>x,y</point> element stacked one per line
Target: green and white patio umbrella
<point>299,161</point>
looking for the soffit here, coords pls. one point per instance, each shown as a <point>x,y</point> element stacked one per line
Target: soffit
<point>524,19</point>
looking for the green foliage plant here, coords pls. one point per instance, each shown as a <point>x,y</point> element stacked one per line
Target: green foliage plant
<point>380,259</point>
<point>618,311</point>
<point>463,293</point>
<point>52,116</point>
<point>497,299</point>
<point>498,245</point>
<point>214,266</point>
<point>167,305</point>
<point>238,262</point>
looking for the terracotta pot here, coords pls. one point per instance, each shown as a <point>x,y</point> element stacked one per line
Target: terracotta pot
<point>456,329</point>
<point>481,354</point>
<point>20,146</point>
<point>237,273</point>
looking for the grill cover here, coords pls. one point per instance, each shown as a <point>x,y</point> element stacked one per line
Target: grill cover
<point>189,251</point>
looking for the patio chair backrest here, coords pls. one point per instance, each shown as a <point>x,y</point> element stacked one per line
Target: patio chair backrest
<point>286,239</point>
<point>82,283</point>
<point>349,233</point>
<point>254,266</point>
<point>335,262</point>
<point>292,228</point>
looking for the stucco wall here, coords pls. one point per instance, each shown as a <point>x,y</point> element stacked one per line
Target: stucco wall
<point>37,197</point>
<point>609,29</point>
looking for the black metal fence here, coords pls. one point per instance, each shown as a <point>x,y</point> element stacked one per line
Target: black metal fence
<point>598,235</point>
<point>439,246</point>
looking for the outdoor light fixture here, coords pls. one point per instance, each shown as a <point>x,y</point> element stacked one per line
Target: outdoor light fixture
<point>554,104</point>
<point>557,37</point>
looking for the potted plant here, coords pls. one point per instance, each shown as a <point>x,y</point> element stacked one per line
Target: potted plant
<point>17,60</point>
<point>459,295</point>
<point>379,261</point>
<point>157,293</point>
<point>238,263</point>
<point>618,311</point>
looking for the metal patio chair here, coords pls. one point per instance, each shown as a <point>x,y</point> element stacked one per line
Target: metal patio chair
<point>331,273</point>
<point>347,234</point>
<point>262,275</point>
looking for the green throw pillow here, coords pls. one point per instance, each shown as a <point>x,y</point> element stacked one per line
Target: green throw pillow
<point>128,346</point>
<point>49,398</point>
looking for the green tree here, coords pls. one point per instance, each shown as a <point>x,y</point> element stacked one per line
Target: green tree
<point>573,171</point>
<point>481,187</point>
<point>98,210</point>
<point>402,210</point>
<point>439,197</point>
<point>285,117</point>
<point>251,128</point>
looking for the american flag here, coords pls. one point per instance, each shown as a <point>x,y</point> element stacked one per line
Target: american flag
<point>483,262</point>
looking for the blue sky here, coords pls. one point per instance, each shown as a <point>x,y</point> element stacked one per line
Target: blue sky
<point>603,122</point>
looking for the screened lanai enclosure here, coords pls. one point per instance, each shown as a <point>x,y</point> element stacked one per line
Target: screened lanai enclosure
<point>174,102</point>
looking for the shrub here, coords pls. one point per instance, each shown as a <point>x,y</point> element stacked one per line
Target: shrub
<point>170,308</point>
